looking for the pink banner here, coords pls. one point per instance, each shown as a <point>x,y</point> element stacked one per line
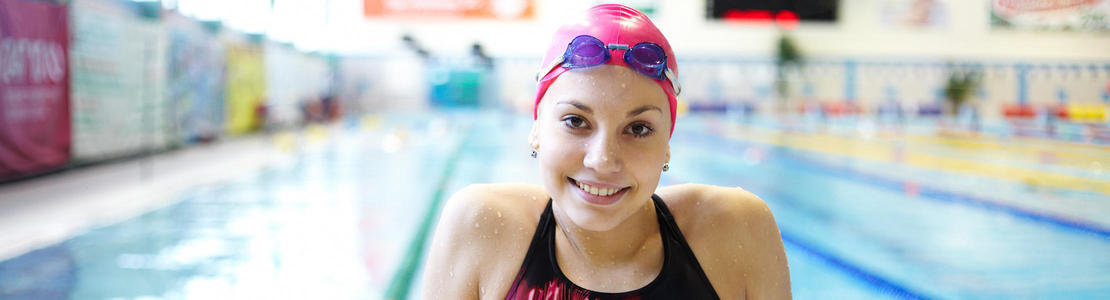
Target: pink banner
<point>34,89</point>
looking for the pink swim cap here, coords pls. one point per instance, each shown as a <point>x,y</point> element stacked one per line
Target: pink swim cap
<point>612,24</point>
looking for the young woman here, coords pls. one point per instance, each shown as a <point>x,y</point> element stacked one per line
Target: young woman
<point>598,228</point>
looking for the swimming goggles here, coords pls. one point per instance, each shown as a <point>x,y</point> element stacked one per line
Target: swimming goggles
<point>588,51</point>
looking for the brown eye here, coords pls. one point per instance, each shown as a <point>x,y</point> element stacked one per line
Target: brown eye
<point>574,122</point>
<point>639,130</point>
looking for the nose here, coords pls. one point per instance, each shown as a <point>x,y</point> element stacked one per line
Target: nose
<point>603,154</point>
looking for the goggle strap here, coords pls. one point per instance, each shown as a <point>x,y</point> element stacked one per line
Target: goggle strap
<point>554,63</point>
<point>674,81</point>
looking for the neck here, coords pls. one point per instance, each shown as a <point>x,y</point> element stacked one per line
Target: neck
<point>626,242</point>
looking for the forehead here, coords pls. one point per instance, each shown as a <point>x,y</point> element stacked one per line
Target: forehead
<point>606,87</point>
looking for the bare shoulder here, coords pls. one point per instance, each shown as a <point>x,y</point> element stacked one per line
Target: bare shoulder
<point>735,238</point>
<point>480,240</point>
<point>486,205</point>
<point>697,205</point>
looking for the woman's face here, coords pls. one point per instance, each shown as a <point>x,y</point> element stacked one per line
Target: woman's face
<point>602,135</point>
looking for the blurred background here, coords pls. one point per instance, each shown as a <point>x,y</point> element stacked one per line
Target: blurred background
<point>273,149</point>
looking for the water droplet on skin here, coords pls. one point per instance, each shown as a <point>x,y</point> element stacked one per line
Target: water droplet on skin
<point>452,274</point>
<point>476,225</point>
<point>623,85</point>
<point>499,214</point>
<point>698,203</point>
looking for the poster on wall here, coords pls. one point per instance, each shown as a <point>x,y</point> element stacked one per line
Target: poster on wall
<point>34,95</point>
<point>246,87</point>
<point>913,13</point>
<point>118,81</point>
<point>1080,15</point>
<point>195,84</point>
<point>466,9</point>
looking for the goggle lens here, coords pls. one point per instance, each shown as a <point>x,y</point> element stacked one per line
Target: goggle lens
<point>586,51</point>
<point>648,59</point>
<point>648,54</point>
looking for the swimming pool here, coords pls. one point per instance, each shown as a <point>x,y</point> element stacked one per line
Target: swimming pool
<point>903,215</point>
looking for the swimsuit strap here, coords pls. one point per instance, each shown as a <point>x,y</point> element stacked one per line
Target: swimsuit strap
<point>681,276</point>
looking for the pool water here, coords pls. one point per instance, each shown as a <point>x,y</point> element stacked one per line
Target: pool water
<point>863,215</point>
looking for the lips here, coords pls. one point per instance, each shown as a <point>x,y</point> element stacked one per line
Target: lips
<point>597,193</point>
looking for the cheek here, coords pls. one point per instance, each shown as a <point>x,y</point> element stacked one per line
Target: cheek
<point>559,152</point>
<point>647,164</point>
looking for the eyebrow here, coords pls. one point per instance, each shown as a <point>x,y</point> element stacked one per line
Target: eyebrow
<point>577,104</point>
<point>631,113</point>
<point>643,109</point>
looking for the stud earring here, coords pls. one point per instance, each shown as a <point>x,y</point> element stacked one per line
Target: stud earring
<point>666,166</point>
<point>534,154</point>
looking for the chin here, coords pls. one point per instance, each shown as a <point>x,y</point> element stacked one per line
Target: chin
<point>593,217</point>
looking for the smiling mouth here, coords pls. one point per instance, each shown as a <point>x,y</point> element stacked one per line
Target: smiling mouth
<point>597,191</point>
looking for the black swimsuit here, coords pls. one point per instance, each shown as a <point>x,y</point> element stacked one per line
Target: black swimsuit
<point>680,278</point>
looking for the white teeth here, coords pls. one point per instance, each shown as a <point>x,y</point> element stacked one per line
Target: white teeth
<point>597,191</point>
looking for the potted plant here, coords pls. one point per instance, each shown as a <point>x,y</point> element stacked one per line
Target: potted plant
<point>787,56</point>
<point>959,87</point>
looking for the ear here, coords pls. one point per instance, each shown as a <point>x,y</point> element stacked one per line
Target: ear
<point>533,137</point>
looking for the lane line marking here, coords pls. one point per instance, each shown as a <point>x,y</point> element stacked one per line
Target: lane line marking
<point>927,192</point>
<point>875,151</point>
<point>402,280</point>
